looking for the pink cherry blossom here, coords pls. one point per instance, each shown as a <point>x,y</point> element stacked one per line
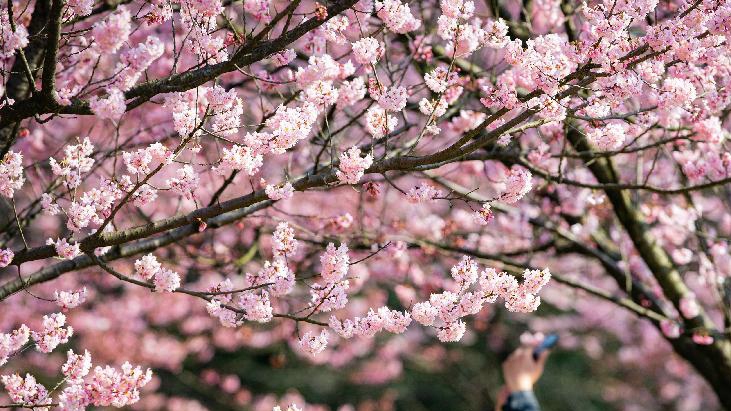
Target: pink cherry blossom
<point>321,93</point>
<point>135,61</point>
<point>11,173</point>
<point>70,299</point>
<point>64,249</point>
<point>283,57</point>
<point>290,125</point>
<point>465,272</point>
<point>335,28</point>
<point>26,391</point>
<point>351,92</point>
<point>185,181</point>
<point>611,137</point>
<point>335,263</point>
<point>452,332</point>
<point>109,387</point>
<point>424,313</point>
<point>280,192</point>
<point>166,280</point>
<point>13,342</point>
<point>582,152</point>
<point>670,328</point>
<point>284,242</point>
<point>457,9</point>
<point>379,123</point>
<point>147,266</point>
<point>77,161</point>
<point>393,99</point>
<point>468,120</point>
<point>6,256</point>
<point>517,185</point>
<point>11,40</point>
<point>436,79</point>
<point>397,16</point>
<point>423,193</point>
<point>432,108</point>
<point>185,109</point>
<point>484,215</point>
<point>314,344</point>
<point>53,333</point>
<point>259,9</point>
<point>689,306</point>
<point>369,325</point>
<point>226,108</point>
<point>367,50</point>
<point>709,130</point>
<point>345,328</point>
<point>330,296</point>
<point>112,32</point>
<point>394,321</point>
<point>77,366</point>
<point>352,166</point>
<point>291,407</point>
<point>257,306</point>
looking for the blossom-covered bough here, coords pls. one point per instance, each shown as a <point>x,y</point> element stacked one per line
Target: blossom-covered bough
<point>327,173</point>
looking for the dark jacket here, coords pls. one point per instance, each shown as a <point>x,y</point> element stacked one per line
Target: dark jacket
<point>521,401</point>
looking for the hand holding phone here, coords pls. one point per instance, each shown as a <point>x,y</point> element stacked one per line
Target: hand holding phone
<point>549,342</point>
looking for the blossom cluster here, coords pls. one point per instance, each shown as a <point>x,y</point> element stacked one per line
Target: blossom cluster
<point>397,16</point>
<point>64,248</point>
<point>352,166</point>
<point>444,311</point>
<point>12,40</point>
<point>70,299</point>
<point>465,34</point>
<point>53,333</point>
<point>517,184</point>
<point>103,387</point>
<point>254,302</point>
<point>13,342</point>
<point>387,87</point>
<point>76,162</point>
<point>11,173</point>
<point>423,193</point>
<point>164,279</point>
<point>280,192</point>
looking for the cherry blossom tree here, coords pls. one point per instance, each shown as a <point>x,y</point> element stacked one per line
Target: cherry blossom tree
<point>333,174</point>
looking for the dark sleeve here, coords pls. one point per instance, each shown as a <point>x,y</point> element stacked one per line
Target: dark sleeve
<point>521,401</point>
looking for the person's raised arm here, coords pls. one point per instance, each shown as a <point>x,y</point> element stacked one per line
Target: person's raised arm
<point>520,372</point>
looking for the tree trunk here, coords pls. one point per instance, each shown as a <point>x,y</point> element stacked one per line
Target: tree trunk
<point>712,361</point>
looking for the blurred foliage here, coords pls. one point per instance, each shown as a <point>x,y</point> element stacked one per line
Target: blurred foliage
<point>467,380</point>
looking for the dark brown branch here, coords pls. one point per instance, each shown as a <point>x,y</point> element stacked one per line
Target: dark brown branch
<point>246,55</point>
<point>53,40</point>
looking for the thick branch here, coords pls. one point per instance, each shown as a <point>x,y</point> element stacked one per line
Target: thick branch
<point>53,40</point>
<point>127,250</point>
<point>18,86</point>
<point>142,93</point>
<point>713,361</point>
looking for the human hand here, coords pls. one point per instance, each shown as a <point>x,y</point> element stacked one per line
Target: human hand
<point>521,371</point>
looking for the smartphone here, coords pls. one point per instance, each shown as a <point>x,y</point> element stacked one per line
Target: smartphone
<point>549,342</point>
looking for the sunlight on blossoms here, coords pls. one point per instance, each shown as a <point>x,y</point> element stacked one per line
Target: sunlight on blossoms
<point>355,205</point>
